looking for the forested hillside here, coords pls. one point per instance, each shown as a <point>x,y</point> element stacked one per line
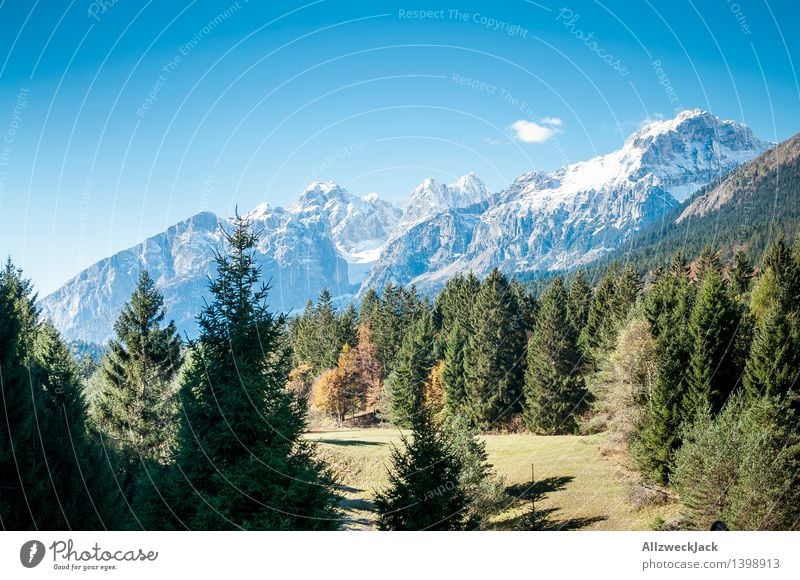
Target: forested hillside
<point>691,371</point>
<point>743,211</point>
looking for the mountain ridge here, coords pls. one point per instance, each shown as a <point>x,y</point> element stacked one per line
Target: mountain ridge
<point>331,238</point>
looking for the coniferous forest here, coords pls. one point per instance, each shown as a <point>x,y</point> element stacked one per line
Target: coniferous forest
<point>690,369</point>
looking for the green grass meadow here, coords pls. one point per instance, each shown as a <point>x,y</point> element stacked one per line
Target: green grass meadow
<point>577,484</point>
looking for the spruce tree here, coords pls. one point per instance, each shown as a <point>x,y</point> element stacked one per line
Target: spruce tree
<point>774,358</point>
<point>136,407</point>
<point>526,305</point>
<point>414,362</point>
<point>51,473</point>
<point>242,462</point>
<point>626,289</point>
<point>554,388</point>
<point>485,490</point>
<point>713,372</point>
<point>302,330</point>
<point>452,307</point>
<point>605,315</point>
<point>774,361</point>
<point>425,490</point>
<point>707,263</point>
<point>741,274</point>
<point>398,311</point>
<point>20,460</point>
<point>386,326</point>
<point>348,327</point>
<point>320,332</point>
<point>494,354</point>
<point>328,332</point>
<point>667,309</point>
<point>765,295</point>
<point>779,259</point>
<point>741,467</point>
<point>453,372</point>
<point>78,477</point>
<point>369,305</point>
<point>579,301</point>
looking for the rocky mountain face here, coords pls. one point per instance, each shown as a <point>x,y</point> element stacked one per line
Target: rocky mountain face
<point>297,254</point>
<point>745,210</point>
<point>431,198</point>
<point>774,168</point>
<point>358,226</point>
<point>331,238</point>
<point>576,214</point>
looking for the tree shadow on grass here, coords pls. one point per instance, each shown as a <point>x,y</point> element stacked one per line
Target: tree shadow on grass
<point>358,504</point>
<point>543,519</point>
<point>354,517</point>
<point>340,487</point>
<point>348,442</point>
<point>539,489</point>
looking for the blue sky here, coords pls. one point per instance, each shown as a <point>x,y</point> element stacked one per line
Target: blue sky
<point>118,119</point>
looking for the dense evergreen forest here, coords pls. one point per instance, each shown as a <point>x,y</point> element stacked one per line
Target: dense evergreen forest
<point>691,369</point>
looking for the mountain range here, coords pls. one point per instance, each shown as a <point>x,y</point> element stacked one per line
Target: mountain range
<point>330,238</point>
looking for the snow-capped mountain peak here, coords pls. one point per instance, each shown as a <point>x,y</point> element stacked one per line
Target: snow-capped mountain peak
<point>317,195</point>
<point>680,155</point>
<point>371,197</point>
<point>470,189</point>
<point>260,212</point>
<point>687,152</point>
<point>570,216</point>
<point>432,197</point>
<point>331,238</point>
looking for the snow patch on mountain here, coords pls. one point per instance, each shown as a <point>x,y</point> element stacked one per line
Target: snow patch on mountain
<point>431,198</point>
<point>572,216</point>
<point>331,238</point>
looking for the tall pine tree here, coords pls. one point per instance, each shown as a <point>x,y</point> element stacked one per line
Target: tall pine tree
<point>82,487</point>
<point>608,310</point>
<point>20,462</point>
<point>494,354</point>
<point>713,369</point>
<point>579,301</point>
<point>407,380</point>
<point>741,274</point>
<point>136,407</point>
<point>327,331</point>
<point>453,372</point>
<point>773,365</point>
<point>667,309</point>
<point>241,461</point>
<point>51,471</point>
<point>554,389</point>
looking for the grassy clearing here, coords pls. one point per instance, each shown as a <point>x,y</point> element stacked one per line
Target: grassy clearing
<point>576,485</point>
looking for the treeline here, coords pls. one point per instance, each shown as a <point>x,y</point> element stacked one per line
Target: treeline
<point>692,370</point>
<point>700,386</point>
<point>485,350</point>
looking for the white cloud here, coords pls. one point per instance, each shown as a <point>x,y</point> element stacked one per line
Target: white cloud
<point>530,132</point>
<point>555,121</point>
<point>490,141</point>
